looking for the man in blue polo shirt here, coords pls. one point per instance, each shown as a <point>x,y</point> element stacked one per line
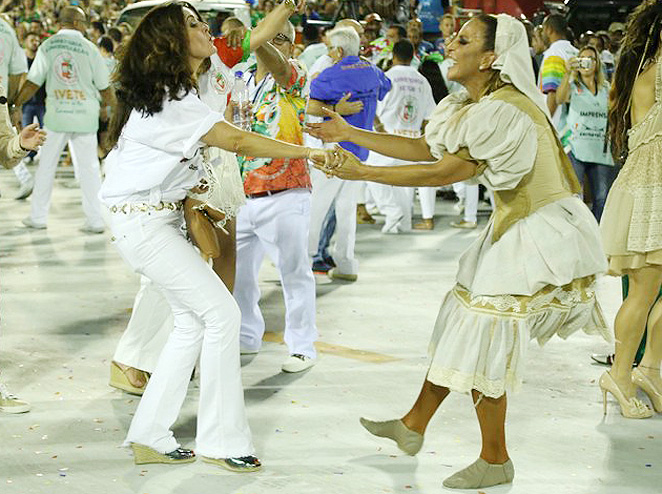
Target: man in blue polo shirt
<point>364,82</point>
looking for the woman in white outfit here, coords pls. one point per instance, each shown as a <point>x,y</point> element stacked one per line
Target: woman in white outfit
<point>151,319</point>
<point>530,274</point>
<point>158,132</point>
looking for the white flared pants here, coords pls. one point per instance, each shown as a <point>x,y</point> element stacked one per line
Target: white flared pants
<point>206,325</point>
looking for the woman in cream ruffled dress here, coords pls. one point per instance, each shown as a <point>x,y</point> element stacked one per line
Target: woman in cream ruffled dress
<point>632,220</point>
<point>531,273</point>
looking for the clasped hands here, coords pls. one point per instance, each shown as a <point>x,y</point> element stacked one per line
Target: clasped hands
<point>337,162</point>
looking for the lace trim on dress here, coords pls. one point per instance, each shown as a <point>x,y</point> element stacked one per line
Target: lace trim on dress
<point>576,292</point>
<point>461,381</point>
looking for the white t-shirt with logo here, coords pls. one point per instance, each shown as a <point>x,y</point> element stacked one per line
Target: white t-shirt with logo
<point>405,107</point>
<point>216,84</point>
<point>74,72</point>
<point>12,57</point>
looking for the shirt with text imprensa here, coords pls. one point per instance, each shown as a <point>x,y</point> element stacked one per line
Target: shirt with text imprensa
<point>74,72</point>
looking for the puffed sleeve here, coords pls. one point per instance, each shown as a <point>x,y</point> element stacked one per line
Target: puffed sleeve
<point>495,134</point>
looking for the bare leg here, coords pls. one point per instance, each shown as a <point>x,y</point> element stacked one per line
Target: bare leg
<point>225,266</point>
<point>426,405</point>
<point>630,324</point>
<point>491,414</point>
<point>650,363</point>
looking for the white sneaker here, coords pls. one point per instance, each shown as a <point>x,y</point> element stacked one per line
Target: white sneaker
<point>31,224</point>
<point>298,363</point>
<point>25,190</point>
<point>92,229</point>
<point>10,403</point>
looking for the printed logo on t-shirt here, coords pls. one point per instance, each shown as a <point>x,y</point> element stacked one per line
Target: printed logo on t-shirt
<point>220,83</point>
<point>409,110</point>
<point>65,69</point>
<point>2,52</point>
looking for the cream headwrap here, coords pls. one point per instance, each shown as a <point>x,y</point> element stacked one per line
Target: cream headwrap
<point>514,59</point>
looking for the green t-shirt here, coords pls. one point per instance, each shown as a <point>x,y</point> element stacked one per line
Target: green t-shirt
<point>74,72</point>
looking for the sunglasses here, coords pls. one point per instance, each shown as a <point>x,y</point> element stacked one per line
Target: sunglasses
<point>280,39</point>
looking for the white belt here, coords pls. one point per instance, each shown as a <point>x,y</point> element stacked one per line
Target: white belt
<point>144,207</point>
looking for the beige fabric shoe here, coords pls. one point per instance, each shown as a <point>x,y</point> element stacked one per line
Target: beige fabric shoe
<point>481,474</point>
<point>424,224</point>
<point>407,440</point>
<point>467,225</point>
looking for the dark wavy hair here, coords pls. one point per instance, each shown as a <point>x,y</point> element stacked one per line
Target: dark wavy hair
<point>152,65</point>
<point>638,49</point>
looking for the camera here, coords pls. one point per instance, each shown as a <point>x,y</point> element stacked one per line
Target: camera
<point>585,62</point>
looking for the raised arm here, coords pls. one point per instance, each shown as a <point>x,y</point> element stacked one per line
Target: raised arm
<point>231,138</point>
<point>276,63</point>
<point>405,148</point>
<point>270,26</point>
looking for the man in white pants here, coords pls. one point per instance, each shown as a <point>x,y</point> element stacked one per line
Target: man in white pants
<point>404,111</point>
<point>13,67</point>
<point>76,78</point>
<point>276,217</point>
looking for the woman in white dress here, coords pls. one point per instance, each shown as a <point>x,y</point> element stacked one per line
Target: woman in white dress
<point>158,132</point>
<point>530,274</point>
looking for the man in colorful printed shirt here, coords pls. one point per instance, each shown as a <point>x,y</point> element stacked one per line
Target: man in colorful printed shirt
<point>553,66</point>
<point>276,217</point>
<point>364,82</point>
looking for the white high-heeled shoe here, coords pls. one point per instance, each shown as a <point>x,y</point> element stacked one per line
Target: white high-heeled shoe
<point>642,381</point>
<point>631,408</point>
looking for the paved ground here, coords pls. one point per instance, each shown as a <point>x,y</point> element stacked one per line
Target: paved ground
<point>66,297</point>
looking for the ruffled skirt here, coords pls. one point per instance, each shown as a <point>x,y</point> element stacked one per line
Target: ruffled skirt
<point>480,342</point>
<point>536,281</point>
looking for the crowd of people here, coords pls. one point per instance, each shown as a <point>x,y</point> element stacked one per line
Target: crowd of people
<point>233,137</point>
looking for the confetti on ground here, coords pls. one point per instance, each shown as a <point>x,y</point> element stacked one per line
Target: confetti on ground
<point>649,465</point>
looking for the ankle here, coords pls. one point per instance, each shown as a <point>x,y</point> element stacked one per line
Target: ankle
<point>495,457</point>
<point>413,425</point>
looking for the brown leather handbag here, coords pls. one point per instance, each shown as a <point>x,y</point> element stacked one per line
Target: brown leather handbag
<point>201,229</point>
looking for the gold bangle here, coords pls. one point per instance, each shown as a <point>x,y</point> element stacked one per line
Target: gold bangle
<point>291,4</point>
